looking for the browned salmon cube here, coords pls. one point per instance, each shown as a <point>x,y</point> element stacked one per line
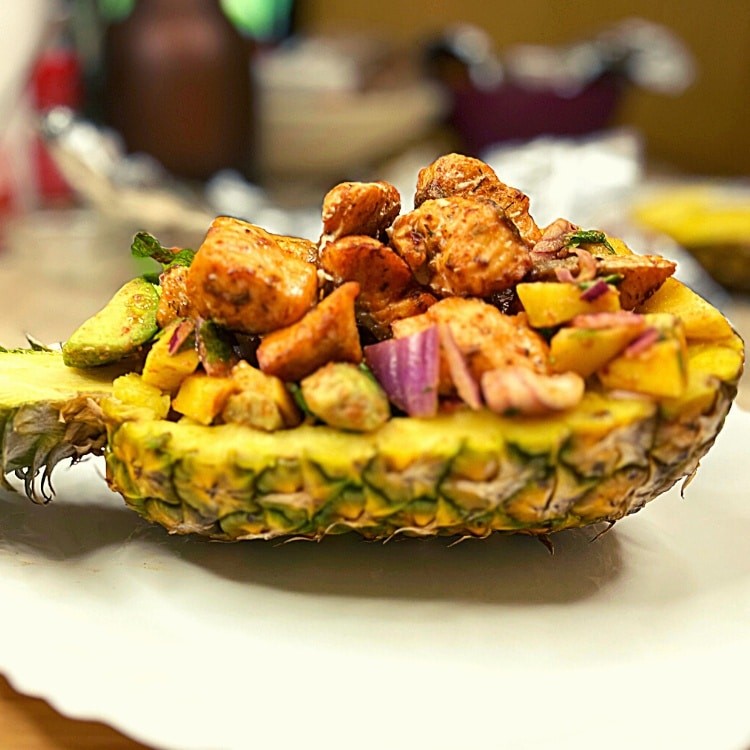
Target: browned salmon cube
<point>327,333</point>
<point>381,274</point>
<point>174,302</point>
<point>242,279</point>
<point>367,208</point>
<point>459,175</point>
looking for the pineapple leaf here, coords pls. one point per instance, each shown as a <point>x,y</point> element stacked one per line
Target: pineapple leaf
<point>34,442</point>
<point>36,345</point>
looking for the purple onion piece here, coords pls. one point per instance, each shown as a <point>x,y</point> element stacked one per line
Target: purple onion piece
<point>408,369</point>
<point>644,341</point>
<point>180,335</point>
<point>601,320</point>
<point>564,275</point>
<point>466,387</point>
<point>596,290</point>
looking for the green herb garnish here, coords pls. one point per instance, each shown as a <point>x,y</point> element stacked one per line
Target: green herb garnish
<point>215,347</point>
<point>145,245</point>
<point>299,399</point>
<point>588,237</point>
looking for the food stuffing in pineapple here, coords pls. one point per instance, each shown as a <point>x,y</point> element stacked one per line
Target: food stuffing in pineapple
<point>450,370</point>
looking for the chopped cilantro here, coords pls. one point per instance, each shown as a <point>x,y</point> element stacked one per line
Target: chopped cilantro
<point>588,237</point>
<point>145,245</point>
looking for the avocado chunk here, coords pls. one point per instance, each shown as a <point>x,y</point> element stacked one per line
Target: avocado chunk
<point>124,324</point>
<point>344,396</point>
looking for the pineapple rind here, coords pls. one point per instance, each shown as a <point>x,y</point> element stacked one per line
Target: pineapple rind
<point>465,473</point>
<point>468,473</point>
<point>48,413</point>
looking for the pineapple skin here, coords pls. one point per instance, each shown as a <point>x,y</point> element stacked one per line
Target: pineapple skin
<point>464,474</point>
<point>460,474</point>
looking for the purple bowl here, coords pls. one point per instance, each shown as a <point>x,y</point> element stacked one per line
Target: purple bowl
<point>511,112</point>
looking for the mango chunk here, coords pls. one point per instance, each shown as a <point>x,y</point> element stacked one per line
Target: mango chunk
<point>549,303</point>
<point>586,350</point>
<point>202,397</point>
<point>658,370</point>
<point>167,371</point>
<point>723,360</point>
<point>707,363</point>
<point>702,320</point>
<point>619,246</point>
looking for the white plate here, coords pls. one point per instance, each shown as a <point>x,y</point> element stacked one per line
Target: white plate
<point>640,639</point>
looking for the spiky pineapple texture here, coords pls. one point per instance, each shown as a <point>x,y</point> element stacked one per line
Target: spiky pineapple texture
<point>48,413</point>
<point>465,474</point>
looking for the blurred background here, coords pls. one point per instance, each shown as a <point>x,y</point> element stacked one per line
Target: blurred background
<point>118,115</point>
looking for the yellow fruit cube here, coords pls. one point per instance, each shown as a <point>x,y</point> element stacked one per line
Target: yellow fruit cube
<point>164,370</point>
<point>706,363</point>
<point>256,388</point>
<point>201,397</point>
<point>586,350</point>
<point>658,370</point>
<point>723,360</point>
<point>549,303</point>
<point>133,391</point>
<point>619,246</point>
<point>702,321</point>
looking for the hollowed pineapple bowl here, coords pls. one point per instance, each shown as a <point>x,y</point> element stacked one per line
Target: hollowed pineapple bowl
<point>449,370</point>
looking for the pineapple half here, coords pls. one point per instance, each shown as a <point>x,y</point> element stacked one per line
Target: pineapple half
<point>651,406</point>
<point>465,473</point>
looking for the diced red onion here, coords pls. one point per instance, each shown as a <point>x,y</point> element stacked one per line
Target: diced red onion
<point>466,386</point>
<point>408,369</point>
<point>586,268</point>
<point>596,290</point>
<point>554,237</point>
<point>586,265</point>
<point>520,390</point>
<point>564,275</point>
<point>608,320</point>
<point>649,337</point>
<point>180,335</point>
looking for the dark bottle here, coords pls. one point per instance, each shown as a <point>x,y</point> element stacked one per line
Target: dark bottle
<point>178,86</point>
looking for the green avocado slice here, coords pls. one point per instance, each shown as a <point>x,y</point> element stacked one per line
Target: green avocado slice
<point>123,325</point>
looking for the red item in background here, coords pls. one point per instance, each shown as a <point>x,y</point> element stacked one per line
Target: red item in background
<point>7,198</point>
<point>56,82</point>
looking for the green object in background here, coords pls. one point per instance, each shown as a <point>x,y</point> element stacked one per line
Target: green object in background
<point>115,10</point>
<point>260,19</point>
